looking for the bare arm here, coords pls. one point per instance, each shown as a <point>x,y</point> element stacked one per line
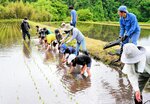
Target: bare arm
<point>63,58</point>
<point>48,47</point>
<point>71,69</point>
<point>67,35</point>
<point>83,69</point>
<point>70,40</point>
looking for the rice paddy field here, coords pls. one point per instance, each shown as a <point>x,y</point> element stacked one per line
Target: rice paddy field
<point>29,75</point>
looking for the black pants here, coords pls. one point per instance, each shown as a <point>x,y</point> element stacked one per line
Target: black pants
<point>142,80</point>
<point>26,33</point>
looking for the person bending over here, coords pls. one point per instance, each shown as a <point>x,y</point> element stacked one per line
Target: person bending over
<point>137,67</point>
<point>50,41</point>
<point>83,60</point>
<point>66,50</point>
<point>76,34</point>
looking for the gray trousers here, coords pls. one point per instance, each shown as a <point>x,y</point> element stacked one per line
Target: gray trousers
<point>143,79</point>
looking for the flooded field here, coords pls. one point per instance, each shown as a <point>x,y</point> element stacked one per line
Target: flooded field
<point>106,32</point>
<point>29,75</point>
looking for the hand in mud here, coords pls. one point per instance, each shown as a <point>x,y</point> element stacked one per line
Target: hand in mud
<point>138,96</point>
<point>63,61</point>
<point>79,76</point>
<point>68,72</point>
<point>62,41</point>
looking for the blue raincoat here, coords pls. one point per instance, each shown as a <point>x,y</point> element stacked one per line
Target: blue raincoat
<point>129,27</point>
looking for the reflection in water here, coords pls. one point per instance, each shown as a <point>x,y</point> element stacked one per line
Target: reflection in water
<point>102,32</point>
<point>27,49</point>
<point>50,83</point>
<point>75,84</point>
<point>123,94</point>
<point>107,32</point>
<point>50,56</point>
<point>145,41</point>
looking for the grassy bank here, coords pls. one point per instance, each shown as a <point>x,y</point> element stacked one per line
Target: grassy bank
<point>95,48</point>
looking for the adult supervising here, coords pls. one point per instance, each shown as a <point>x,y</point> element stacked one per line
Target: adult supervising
<point>73,16</point>
<point>137,67</point>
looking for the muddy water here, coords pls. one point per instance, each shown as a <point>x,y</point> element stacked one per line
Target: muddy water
<point>28,75</point>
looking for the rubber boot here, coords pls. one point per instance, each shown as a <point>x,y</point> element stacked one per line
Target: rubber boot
<point>121,50</point>
<point>86,53</point>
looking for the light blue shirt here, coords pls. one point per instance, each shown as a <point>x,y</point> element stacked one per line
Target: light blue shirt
<point>76,35</point>
<point>74,15</point>
<point>129,25</point>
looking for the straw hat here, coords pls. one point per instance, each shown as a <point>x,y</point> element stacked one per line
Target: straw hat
<point>67,27</point>
<point>131,54</point>
<point>63,25</point>
<point>71,57</point>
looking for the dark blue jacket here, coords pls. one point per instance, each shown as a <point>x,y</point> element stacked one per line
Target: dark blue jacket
<point>25,26</point>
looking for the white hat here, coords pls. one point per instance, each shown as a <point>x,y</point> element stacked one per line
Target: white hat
<point>67,27</point>
<point>131,54</point>
<point>71,57</point>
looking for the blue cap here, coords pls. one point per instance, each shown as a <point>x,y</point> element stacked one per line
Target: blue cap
<point>123,8</point>
<point>63,47</point>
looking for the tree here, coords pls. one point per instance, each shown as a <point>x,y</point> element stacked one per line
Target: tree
<point>60,11</point>
<point>57,10</point>
<point>98,11</point>
<point>84,15</point>
<point>110,9</point>
<point>145,10</point>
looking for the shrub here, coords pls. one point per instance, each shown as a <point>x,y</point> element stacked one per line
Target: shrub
<point>84,15</point>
